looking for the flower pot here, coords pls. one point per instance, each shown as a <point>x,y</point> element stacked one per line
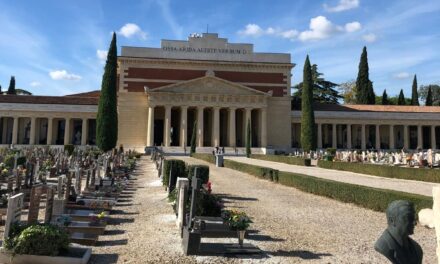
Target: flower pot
<point>241,234</point>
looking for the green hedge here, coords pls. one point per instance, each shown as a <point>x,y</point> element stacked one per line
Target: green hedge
<point>260,172</point>
<point>206,157</point>
<point>178,169</point>
<point>418,174</point>
<point>202,172</point>
<point>284,159</point>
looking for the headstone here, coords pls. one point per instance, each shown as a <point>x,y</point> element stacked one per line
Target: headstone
<point>78,180</point>
<point>13,213</point>
<point>10,184</point>
<point>195,191</point>
<point>34,204</point>
<point>61,180</point>
<point>182,187</point>
<point>88,179</point>
<point>58,206</point>
<point>68,186</point>
<point>50,193</point>
<point>219,160</point>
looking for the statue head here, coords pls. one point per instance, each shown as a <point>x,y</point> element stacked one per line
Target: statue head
<point>401,217</point>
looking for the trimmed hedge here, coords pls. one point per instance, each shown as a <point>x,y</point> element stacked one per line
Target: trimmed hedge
<point>418,174</point>
<point>202,172</point>
<point>284,159</point>
<point>178,169</point>
<point>367,197</point>
<point>206,157</point>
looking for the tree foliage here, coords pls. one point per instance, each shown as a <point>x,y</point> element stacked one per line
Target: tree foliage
<point>401,99</point>
<point>323,91</point>
<point>428,101</point>
<point>414,94</point>
<point>385,98</point>
<point>308,135</point>
<point>348,91</point>
<point>107,117</point>
<point>365,93</point>
<point>11,89</point>
<point>435,93</point>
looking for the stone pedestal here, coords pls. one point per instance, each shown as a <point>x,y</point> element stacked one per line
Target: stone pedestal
<point>219,160</point>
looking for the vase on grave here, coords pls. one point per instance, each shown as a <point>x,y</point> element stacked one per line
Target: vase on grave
<point>241,234</point>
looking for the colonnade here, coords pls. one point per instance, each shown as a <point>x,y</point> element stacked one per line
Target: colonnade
<point>214,123</point>
<point>367,136</point>
<point>47,130</point>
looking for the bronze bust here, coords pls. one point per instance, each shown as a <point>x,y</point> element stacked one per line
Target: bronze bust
<point>395,243</point>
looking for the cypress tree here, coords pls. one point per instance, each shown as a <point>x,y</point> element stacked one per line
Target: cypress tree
<point>193,139</point>
<point>1,92</point>
<point>248,139</point>
<point>385,98</point>
<point>363,95</point>
<point>414,94</point>
<point>107,117</point>
<point>429,97</point>
<point>308,137</point>
<point>11,89</point>
<point>370,93</point>
<point>401,99</point>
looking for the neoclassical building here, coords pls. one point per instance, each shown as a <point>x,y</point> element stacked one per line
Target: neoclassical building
<point>220,86</point>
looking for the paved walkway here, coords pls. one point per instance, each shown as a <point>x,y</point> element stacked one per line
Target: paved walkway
<point>409,186</point>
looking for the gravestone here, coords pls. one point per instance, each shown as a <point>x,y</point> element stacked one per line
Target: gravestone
<point>50,193</point>
<point>58,207</point>
<point>182,187</point>
<point>92,180</point>
<point>68,185</point>
<point>13,213</point>
<point>34,203</point>
<point>195,185</point>
<point>88,179</point>
<point>10,184</point>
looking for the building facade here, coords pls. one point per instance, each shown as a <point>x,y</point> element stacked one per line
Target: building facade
<point>217,88</point>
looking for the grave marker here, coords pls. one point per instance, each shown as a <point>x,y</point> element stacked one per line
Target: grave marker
<point>13,214</point>
<point>34,204</point>
<point>50,193</point>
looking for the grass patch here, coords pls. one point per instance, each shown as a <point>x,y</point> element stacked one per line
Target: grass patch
<point>284,159</point>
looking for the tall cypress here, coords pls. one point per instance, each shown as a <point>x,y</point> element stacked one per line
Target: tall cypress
<point>193,139</point>
<point>363,85</point>
<point>385,98</point>
<point>371,96</point>
<point>429,97</point>
<point>107,117</point>
<point>308,136</point>
<point>401,99</point>
<point>11,89</point>
<point>248,139</point>
<point>1,92</point>
<point>414,93</point>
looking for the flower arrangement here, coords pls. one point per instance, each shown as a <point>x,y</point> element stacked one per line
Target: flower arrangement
<point>98,219</point>
<point>63,220</point>
<point>236,220</point>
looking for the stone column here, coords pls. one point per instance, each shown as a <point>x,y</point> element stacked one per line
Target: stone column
<point>232,136</point>
<point>363,141</point>
<point>84,132</point>
<point>319,137</point>
<point>377,136</point>
<point>167,124</point>
<point>247,116</point>
<point>183,125</point>
<point>263,127</point>
<point>150,128</point>
<point>49,130</point>
<point>419,137</point>
<point>349,136</point>
<point>405,137</point>
<point>334,136</point>
<point>33,128</point>
<point>67,132</point>
<point>392,140</point>
<point>433,138</point>
<point>15,131</point>
<point>200,126</point>
<point>216,127</point>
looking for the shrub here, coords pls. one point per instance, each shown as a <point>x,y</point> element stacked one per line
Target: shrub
<point>21,160</point>
<point>178,170</point>
<point>47,240</point>
<point>69,148</point>
<point>202,172</point>
<point>209,205</point>
<point>418,174</point>
<point>206,157</point>
<point>284,159</point>
<point>261,172</point>
<point>9,161</point>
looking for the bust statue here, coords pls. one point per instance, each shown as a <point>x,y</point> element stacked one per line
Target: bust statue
<point>395,243</point>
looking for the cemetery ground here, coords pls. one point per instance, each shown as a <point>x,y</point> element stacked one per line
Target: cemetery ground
<point>289,226</point>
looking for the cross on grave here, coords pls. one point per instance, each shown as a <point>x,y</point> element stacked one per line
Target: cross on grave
<point>13,213</point>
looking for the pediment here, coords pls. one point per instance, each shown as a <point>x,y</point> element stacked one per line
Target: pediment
<point>208,85</point>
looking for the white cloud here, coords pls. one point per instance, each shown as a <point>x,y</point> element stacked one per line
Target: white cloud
<point>401,75</point>
<point>353,26</point>
<point>253,30</point>
<point>369,37</point>
<point>35,84</point>
<point>289,34</point>
<point>129,30</point>
<point>343,5</point>
<point>64,75</point>
<point>320,28</point>
<point>101,54</point>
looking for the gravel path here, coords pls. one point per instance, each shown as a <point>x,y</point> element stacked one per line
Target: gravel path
<point>409,186</point>
<point>297,227</point>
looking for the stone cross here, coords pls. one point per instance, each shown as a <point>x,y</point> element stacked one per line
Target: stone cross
<point>13,213</point>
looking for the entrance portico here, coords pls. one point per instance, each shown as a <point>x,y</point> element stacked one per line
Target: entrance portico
<point>220,108</point>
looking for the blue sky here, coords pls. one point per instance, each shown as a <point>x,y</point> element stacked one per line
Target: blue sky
<point>57,47</point>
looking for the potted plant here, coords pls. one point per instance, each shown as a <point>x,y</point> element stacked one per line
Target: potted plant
<point>237,220</point>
